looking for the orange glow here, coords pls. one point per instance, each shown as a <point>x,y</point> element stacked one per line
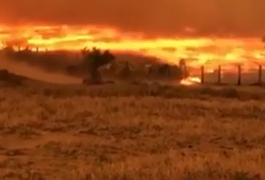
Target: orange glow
<point>198,51</point>
<point>190,81</point>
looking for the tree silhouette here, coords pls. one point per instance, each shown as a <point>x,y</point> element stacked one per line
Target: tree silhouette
<point>183,68</point>
<point>9,50</point>
<point>20,54</point>
<point>95,59</point>
<point>126,70</point>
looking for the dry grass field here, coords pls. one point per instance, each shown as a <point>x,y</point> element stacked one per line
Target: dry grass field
<point>131,132</point>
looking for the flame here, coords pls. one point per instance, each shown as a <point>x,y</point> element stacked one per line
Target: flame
<point>209,51</point>
<point>190,81</point>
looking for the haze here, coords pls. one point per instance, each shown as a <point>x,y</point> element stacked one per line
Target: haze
<point>156,17</point>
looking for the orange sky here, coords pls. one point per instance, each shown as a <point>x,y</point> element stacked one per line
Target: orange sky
<point>152,17</point>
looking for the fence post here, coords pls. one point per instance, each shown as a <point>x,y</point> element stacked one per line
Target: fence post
<point>239,75</point>
<point>202,74</point>
<point>260,75</point>
<point>219,74</point>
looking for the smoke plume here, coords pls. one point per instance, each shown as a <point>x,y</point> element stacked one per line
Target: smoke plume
<point>157,17</point>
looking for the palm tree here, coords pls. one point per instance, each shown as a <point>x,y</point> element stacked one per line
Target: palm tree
<point>95,59</point>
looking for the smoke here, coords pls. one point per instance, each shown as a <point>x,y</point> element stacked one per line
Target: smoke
<point>155,17</point>
<point>37,72</point>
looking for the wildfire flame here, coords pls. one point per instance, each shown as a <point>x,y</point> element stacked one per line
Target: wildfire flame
<point>197,50</point>
<point>190,81</point>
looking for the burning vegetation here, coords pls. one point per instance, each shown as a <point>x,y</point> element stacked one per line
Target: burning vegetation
<point>177,57</point>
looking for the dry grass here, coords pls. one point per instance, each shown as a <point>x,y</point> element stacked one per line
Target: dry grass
<point>127,132</point>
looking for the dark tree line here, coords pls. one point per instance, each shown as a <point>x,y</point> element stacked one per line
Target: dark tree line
<point>93,59</point>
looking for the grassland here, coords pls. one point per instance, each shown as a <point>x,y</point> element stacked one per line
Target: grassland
<point>131,132</point>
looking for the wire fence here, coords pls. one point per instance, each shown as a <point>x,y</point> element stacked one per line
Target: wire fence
<point>257,80</point>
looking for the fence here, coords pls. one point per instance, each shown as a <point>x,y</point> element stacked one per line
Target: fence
<point>239,75</point>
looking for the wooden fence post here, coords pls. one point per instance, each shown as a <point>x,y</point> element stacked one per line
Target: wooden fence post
<point>260,75</point>
<point>202,74</point>
<point>239,75</point>
<point>219,74</point>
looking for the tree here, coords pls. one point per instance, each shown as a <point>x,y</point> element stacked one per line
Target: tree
<point>183,68</point>
<point>25,53</point>
<point>126,70</point>
<point>95,59</point>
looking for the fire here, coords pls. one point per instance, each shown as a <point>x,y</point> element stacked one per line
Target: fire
<point>190,81</point>
<point>208,51</point>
